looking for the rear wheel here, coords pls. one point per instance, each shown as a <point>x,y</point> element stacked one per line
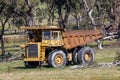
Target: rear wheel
<point>75,55</point>
<point>57,59</point>
<point>85,55</point>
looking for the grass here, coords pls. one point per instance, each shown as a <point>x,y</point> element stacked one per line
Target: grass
<point>16,71</point>
<point>20,73</point>
<point>105,55</point>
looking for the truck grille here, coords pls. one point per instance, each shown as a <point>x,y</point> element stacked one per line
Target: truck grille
<point>32,50</point>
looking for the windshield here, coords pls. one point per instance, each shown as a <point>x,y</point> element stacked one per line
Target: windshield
<point>56,35</point>
<point>51,35</point>
<point>46,35</point>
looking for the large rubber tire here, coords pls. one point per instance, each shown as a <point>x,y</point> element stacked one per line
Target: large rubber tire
<point>85,55</point>
<point>28,65</point>
<point>57,59</point>
<point>49,60</point>
<point>75,55</point>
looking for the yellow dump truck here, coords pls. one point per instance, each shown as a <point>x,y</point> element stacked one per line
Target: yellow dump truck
<point>57,47</point>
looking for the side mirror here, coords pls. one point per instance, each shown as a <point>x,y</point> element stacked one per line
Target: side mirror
<point>22,46</point>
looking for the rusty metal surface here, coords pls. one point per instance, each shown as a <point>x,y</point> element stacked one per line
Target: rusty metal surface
<point>76,38</point>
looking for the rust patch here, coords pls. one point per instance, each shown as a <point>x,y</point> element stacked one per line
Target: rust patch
<point>76,38</point>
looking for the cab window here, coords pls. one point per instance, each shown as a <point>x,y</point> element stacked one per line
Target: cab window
<point>56,35</point>
<point>46,35</point>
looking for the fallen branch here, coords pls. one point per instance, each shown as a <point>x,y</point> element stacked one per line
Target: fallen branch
<point>109,37</point>
<point>16,55</point>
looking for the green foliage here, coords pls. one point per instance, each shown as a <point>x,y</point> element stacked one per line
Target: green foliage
<point>42,9</point>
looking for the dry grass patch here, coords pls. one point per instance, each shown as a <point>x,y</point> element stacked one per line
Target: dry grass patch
<point>65,74</point>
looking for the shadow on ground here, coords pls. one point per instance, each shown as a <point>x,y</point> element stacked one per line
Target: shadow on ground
<point>118,69</point>
<point>38,67</point>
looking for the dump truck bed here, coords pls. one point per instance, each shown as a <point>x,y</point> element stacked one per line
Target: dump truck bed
<point>74,38</point>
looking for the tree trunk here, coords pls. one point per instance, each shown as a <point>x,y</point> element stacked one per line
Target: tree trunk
<point>29,17</point>
<point>49,21</point>
<point>53,18</point>
<point>2,42</point>
<point>1,35</point>
<point>67,13</point>
<point>89,12</point>
<point>99,44</point>
<point>60,20</point>
<point>2,47</point>
<point>29,20</point>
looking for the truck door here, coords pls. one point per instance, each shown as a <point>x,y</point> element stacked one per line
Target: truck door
<point>56,38</point>
<point>52,38</point>
<point>46,37</point>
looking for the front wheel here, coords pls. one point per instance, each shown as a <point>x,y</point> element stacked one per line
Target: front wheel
<point>86,55</point>
<point>57,59</point>
<point>29,64</point>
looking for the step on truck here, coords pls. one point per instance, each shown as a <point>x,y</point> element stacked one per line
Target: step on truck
<point>58,47</point>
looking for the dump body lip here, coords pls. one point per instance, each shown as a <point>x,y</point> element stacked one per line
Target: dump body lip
<point>41,28</point>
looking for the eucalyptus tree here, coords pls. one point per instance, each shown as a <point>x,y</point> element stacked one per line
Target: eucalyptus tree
<point>6,10</point>
<point>106,9</point>
<point>47,10</point>
<point>62,19</point>
<point>76,11</point>
<point>61,7</point>
<point>26,10</point>
<point>17,10</point>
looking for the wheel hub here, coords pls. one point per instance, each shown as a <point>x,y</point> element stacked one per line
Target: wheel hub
<point>58,59</point>
<point>87,57</point>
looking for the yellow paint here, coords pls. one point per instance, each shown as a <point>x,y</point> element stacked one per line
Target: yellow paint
<point>58,59</point>
<point>58,38</point>
<point>70,57</point>
<point>31,59</point>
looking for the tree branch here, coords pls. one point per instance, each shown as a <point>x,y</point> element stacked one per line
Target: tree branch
<point>91,18</point>
<point>86,6</point>
<point>3,25</point>
<point>28,3</point>
<point>89,12</point>
<point>2,7</point>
